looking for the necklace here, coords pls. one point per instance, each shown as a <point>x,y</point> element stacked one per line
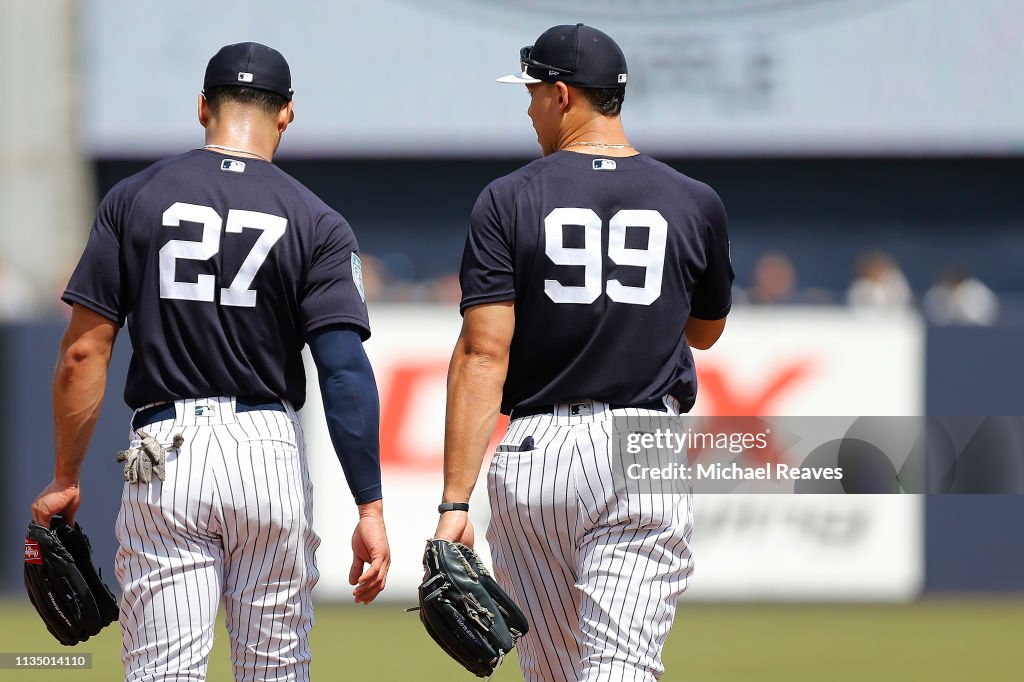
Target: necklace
<point>225,148</point>
<point>600,144</point>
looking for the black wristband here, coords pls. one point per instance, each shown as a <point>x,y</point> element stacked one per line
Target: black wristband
<point>452,506</point>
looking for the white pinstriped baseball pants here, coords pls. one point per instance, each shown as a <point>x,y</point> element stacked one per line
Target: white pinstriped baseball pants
<point>597,573</point>
<point>232,519</point>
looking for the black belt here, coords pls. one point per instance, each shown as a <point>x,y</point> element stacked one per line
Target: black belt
<point>520,412</point>
<point>157,413</point>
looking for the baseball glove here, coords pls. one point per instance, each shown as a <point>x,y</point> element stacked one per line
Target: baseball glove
<point>63,585</point>
<point>465,610</point>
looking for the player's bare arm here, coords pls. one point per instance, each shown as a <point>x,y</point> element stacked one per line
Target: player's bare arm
<point>78,384</point>
<point>476,376</point>
<point>371,554</point>
<point>702,334</point>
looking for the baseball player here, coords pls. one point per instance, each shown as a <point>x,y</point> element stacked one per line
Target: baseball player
<point>224,267</point>
<point>588,275</point>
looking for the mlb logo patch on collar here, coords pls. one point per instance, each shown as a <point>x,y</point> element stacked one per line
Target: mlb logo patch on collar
<point>604,164</point>
<point>232,165</point>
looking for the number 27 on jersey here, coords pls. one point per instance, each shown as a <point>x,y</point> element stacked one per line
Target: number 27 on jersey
<point>238,292</point>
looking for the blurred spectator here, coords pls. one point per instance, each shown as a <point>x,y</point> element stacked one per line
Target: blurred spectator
<point>775,283</point>
<point>879,283</point>
<point>774,280</point>
<point>53,306</point>
<point>446,289</point>
<point>959,299</point>
<point>374,276</point>
<point>16,300</point>
<point>390,278</point>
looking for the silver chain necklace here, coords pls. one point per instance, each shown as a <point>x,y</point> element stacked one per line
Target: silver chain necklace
<point>225,148</point>
<point>602,145</point>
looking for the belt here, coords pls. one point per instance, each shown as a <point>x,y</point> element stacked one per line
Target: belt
<point>519,412</point>
<point>156,413</point>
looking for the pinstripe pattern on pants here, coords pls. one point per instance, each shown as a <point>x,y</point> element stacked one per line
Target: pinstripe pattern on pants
<point>232,518</point>
<point>598,573</point>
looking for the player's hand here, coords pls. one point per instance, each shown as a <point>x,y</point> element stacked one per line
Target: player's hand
<point>369,546</point>
<point>57,498</point>
<point>456,527</point>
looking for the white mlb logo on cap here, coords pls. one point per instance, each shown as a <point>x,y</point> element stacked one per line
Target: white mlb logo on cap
<point>244,77</point>
<point>622,78</point>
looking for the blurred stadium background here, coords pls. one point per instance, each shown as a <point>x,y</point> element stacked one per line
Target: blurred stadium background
<point>870,154</point>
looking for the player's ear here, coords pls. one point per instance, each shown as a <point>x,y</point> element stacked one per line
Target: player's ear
<point>563,95</point>
<point>204,110</point>
<point>284,117</point>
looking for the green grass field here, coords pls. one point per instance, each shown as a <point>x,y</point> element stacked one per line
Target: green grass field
<point>955,640</point>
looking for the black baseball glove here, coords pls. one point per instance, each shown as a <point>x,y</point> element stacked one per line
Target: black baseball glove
<point>63,585</point>
<point>465,610</point>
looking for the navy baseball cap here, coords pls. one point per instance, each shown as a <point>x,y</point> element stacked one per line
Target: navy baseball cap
<point>251,65</point>
<point>577,55</point>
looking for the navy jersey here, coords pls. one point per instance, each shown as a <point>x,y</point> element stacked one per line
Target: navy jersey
<point>221,267</point>
<point>605,260</point>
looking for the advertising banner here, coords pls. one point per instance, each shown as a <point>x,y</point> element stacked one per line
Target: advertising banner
<point>405,77</point>
<point>770,362</point>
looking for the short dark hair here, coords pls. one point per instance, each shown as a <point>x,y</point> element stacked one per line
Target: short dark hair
<point>606,101</point>
<point>269,102</point>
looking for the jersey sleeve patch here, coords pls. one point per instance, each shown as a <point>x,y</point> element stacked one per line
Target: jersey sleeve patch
<point>357,275</point>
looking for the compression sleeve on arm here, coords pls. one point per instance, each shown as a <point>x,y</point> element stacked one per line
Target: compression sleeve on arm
<point>351,405</point>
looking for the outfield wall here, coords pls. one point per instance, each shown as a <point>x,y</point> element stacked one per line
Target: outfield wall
<point>755,547</point>
<point>800,361</point>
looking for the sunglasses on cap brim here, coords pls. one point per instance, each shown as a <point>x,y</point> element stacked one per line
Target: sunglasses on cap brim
<point>525,61</point>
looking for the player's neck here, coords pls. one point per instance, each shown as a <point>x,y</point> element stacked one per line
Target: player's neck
<point>601,130</point>
<point>256,138</point>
